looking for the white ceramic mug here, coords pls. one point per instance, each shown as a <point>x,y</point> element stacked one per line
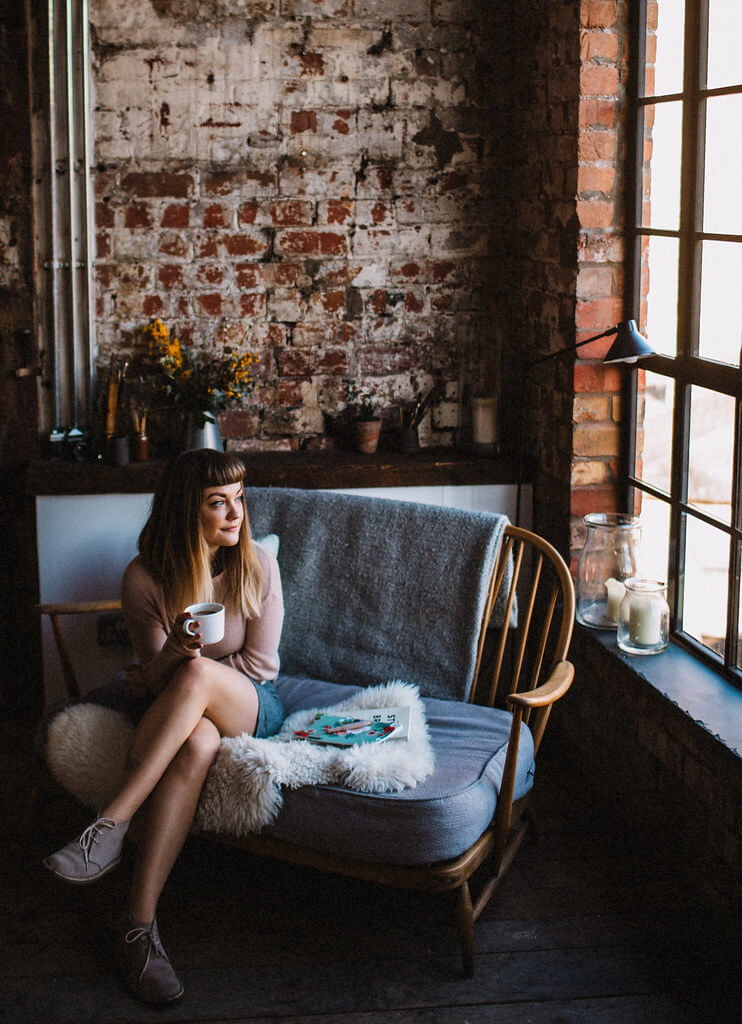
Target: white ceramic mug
<point>211,617</point>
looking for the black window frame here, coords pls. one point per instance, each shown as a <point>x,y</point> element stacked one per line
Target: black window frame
<point>687,368</point>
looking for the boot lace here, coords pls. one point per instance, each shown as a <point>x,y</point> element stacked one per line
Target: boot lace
<point>92,834</point>
<point>154,946</point>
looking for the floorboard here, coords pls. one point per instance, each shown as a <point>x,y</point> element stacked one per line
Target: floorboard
<point>583,931</point>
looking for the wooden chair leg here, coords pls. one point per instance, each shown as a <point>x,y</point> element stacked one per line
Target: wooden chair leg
<point>465,921</point>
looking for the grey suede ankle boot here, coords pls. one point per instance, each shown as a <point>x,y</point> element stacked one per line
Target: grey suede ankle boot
<point>145,965</point>
<point>92,854</point>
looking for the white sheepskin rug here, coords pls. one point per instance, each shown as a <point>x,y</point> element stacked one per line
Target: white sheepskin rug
<point>87,746</point>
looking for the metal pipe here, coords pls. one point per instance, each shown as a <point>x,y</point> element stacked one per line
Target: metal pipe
<point>73,335</point>
<point>88,208</point>
<point>54,215</point>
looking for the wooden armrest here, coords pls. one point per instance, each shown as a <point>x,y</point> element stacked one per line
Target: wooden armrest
<point>555,687</point>
<point>79,607</point>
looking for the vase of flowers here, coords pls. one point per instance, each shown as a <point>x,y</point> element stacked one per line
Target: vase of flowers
<point>199,382</point>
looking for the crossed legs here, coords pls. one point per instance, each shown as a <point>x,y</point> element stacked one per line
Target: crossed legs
<point>170,755</point>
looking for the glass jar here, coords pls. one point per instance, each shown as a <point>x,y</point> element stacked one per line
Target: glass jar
<point>643,617</point>
<point>606,561</point>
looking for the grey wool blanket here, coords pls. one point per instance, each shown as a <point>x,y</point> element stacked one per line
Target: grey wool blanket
<point>377,589</point>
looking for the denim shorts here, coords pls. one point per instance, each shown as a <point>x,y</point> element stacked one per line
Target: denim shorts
<point>117,695</point>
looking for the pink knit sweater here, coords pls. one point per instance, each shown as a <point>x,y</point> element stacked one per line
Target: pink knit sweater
<point>250,647</point>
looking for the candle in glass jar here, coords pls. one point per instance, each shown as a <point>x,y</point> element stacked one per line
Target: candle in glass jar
<point>615,590</point>
<point>645,620</point>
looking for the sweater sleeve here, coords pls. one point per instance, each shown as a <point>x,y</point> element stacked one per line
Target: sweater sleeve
<point>258,658</point>
<point>155,646</point>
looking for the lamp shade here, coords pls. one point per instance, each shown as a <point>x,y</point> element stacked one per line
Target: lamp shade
<point>629,344</point>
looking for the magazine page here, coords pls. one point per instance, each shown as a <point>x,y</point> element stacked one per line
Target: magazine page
<point>366,725</point>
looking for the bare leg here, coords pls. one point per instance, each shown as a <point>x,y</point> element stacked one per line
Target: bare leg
<point>169,815</point>
<point>200,688</point>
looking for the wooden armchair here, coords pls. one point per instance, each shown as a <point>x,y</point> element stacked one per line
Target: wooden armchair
<point>526,666</point>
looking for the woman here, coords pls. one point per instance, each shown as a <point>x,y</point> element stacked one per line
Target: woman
<point>196,546</point>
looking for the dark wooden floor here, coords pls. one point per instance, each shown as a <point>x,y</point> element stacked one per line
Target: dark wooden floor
<point>583,930</point>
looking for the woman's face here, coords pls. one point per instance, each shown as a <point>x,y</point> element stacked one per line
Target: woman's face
<point>222,515</point>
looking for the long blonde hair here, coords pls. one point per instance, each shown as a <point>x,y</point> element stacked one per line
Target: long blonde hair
<point>172,544</point>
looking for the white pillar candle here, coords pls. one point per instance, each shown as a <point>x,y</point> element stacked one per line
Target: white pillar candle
<point>615,590</point>
<point>645,620</point>
<point>484,420</point>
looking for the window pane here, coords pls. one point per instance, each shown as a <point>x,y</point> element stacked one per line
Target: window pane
<point>725,29</point>
<point>722,213</point>
<point>664,47</point>
<point>711,447</point>
<point>654,429</point>
<point>658,318</point>
<point>662,138</point>
<point>720,330</point>
<point>653,553</point>
<point>705,592</point>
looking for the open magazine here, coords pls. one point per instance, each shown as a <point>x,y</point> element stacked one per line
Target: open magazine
<point>364,725</point>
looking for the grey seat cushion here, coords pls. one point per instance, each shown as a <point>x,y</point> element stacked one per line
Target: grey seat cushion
<point>437,820</point>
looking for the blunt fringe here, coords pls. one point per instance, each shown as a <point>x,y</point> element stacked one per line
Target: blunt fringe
<point>172,545</point>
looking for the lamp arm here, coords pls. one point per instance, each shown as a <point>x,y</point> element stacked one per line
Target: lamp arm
<point>572,348</point>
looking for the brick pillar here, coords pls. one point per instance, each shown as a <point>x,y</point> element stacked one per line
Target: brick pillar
<point>600,250</point>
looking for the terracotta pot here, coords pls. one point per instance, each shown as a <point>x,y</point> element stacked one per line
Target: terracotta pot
<point>365,435</point>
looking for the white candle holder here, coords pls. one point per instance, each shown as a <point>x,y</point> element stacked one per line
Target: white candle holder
<point>643,617</point>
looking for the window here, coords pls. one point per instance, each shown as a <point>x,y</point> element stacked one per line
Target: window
<point>684,269</point>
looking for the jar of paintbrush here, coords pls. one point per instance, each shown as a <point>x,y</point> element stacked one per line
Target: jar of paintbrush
<point>141,440</point>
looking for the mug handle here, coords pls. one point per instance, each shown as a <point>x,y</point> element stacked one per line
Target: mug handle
<point>187,624</point>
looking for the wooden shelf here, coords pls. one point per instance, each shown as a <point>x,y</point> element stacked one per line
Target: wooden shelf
<point>307,470</point>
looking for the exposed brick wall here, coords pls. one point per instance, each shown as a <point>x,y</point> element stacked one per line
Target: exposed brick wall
<point>18,425</point>
<point>321,182</point>
<point>567,250</point>
<point>674,786</point>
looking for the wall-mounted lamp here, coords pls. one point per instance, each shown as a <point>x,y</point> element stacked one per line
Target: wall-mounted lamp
<point>629,347</point>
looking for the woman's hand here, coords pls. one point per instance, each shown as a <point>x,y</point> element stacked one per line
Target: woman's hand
<point>189,643</point>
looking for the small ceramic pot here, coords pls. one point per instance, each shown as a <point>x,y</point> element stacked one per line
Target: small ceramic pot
<point>365,435</point>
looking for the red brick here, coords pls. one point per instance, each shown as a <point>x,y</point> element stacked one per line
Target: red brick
<point>158,183</point>
<point>584,500</point>
<point>247,213</point>
<point>288,392</point>
<point>598,80</point>
<point>247,275</point>
<point>331,244</point>
<point>104,215</point>
<point>338,211</point>
<point>341,127</point>
<point>104,273</point>
<point>292,212</point>
<point>597,112</point>
<point>603,45</point>
<point>598,314</point>
<point>303,121</point>
<point>594,282</point>
<point>211,303</point>
<point>239,423</point>
<point>596,145</point>
<point>595,213</point>
<point>596,439</point>
<point>305,363</point>
<point>243,245</point>
<point>137,215</point>
<point>176,215</point>
<point>441,270</point>
<point>412,303</point>
<point>252,303</point>
<point>152,305</point>
<point>598,13</point>
<point>595,179</point>
<point>596,377</point>
<point>377,301</point>
<point>170,275</point>
<point>333,301</point>
<point>173,245</point>
<point>214,216</point>
<point>208,273</point>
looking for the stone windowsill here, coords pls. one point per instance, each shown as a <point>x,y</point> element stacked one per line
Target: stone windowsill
<point>705,697</point>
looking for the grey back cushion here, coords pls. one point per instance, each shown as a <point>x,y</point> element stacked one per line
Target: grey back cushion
<point>376,589</point>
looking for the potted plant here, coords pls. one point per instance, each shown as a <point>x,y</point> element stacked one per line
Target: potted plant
<point>199,382</point>
<point>364,425</point>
